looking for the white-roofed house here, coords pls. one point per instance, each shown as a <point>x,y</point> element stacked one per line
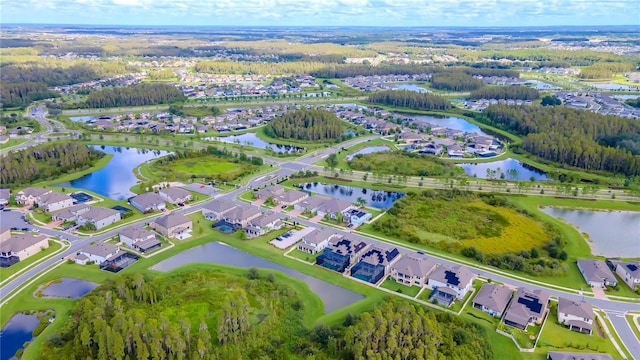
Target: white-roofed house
<point>412,269</point>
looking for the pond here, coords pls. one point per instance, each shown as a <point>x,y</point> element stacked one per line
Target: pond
<point>250,139</point>
<point>511,168</point>
<point>541,85</point>
<point>450,122</point>
<point>411,87</point>
<point>612,233</point>
<point>368,150</point>
<point>82,118</point>
<point>379,199</point>
<point>614,86</point>
<point>17,331</point>
<point>115,179</point>
<point>333,297</point>
<point>68,288</point>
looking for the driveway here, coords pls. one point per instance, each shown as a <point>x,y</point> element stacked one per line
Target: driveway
<point>598,293</point>
<point>316,219</point>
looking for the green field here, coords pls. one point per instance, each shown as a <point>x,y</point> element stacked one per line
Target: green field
<point>11,143</point>
<point>404,163</point>
<point>209,167</point>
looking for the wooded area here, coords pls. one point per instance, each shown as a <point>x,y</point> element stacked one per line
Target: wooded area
<point>514,92</point>
<point>410,99</point>
<point>403,163</point>
<point>455,82</point>
<point>45,161</point>
<point>23,94</point>
<point>307,125</point>
<point>572,137</point>
<point>135,95</point>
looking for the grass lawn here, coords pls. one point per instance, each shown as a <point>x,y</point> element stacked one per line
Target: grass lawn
<point>622,289</point>
<point>392,285</point>
<point>310,258</point>
<point>7,272</point>
<point>41,216</point>
<point>503,347</point>
<point>556,337</point>
<point>11,143</point>
<point>248,196</point>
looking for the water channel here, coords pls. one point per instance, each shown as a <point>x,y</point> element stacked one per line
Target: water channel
<point>333,297</point>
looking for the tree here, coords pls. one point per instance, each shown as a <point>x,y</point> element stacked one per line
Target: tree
<point>332,161</point>
<point>361,201</point>
<point>550,100</point>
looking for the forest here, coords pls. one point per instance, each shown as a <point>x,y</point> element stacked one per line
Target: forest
<point>213,314</point>
<point>45,161</point>
<point>455,82</point>
<point>410,99</point>
<point>575,138</point>
<point>505,92</point>
<point>135,95</point>
<point>23,94</point>
<point>481,226</point>
<point>307,125</point>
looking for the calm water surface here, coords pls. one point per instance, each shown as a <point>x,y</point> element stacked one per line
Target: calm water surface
<point>613,233</point>
<point>15,333</point>
<point>69,288</point>
<point>411,87</point>
<point>511,168</point>
<point>333,297</point>
<point>450,122</point>
<point>250,139</point>
<point>375,198</point>
<point>368,150</point>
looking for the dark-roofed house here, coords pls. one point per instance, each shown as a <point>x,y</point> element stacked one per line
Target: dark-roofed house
<point>173,226</point>
<point>554,355</point>
<point>174,195</point>
<point>17,247</point>
<point>413,269</point>
<point>629,271</point>
<point>458,278</point>
<point>263,224</point>
<point>99,217</point>
<point>576,315</point>
<point>527,307</point>
<point>317,240</point>
<point>139,238</point>
<point>148,202</point>
<point>493,299</point>
<point>217,208</point>
<point>98,253</point>
<point>341,254</point>
<point>596,273</point>
<point>375,263</point>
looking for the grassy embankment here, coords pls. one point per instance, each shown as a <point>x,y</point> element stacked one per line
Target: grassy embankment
<point>11,143</point>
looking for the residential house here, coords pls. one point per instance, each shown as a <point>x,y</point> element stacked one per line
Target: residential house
<point>148,202</point>
<point>5,195</point>
<point>139,238</point>
<point>527,308</point>
<point>432,149</point>
<point>270,191</point>
<point>54,201</point>
<point>29,196</point>
<point>450,282</point>
<point>98,253</point>
<point>356,217</point>
<point>341,254</point>
<point>332,207</point>
<point>291,197</point>
<point>629,271</point>
<point>555,355</point>
<point>413,269</point>
<point>312,204</point>
<point>317,240</point>
<point>174,195</point>
<point>596,273</point>
<point>70,214</point>
<point>263,224</point>
<point>409,137</point>
<point>577,315</point>
<point>99,217</point>
<point>241,215</point>
<point>375,263</point>
<point>493,299</point>
<point>17,247</point>
<point>217,208</point>
<point>173,226</point>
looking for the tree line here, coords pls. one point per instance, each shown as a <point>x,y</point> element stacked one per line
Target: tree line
<point>23,94</point>
<point>45,161</point>
<point>135,95</point>
<point>576,138</point>
<point>514,92</point>
<point>453,81</point>
<point>307,125</point>
<point>410,99</point>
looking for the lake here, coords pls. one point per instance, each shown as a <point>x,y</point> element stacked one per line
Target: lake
<point>541,85</point>
<point>612,233</point>
<point>15,333</point>
<point>512,169</point>
<point>82,118</point>
<point>615,87</point>
<point>115,179</point>
<point>333,297</point>
<point>379,199</point>
<point>450,122</point>
<point>250,139</point>
<point>411,87</point>
<point>368,150</point>
<point>69,288</point>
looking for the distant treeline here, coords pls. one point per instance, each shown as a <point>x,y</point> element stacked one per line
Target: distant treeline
<point>455,82</point>
<point>22,94</point>
<point>43,162</point>
<point>505,92</point>
<point>410,99</point>
<point>308,125</point>
<point>572,137</point>
<point>135,95</point>
<point>351,70</point>
<point>47,75</point>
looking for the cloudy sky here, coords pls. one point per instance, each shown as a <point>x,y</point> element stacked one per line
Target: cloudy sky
<point>323,12</point>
